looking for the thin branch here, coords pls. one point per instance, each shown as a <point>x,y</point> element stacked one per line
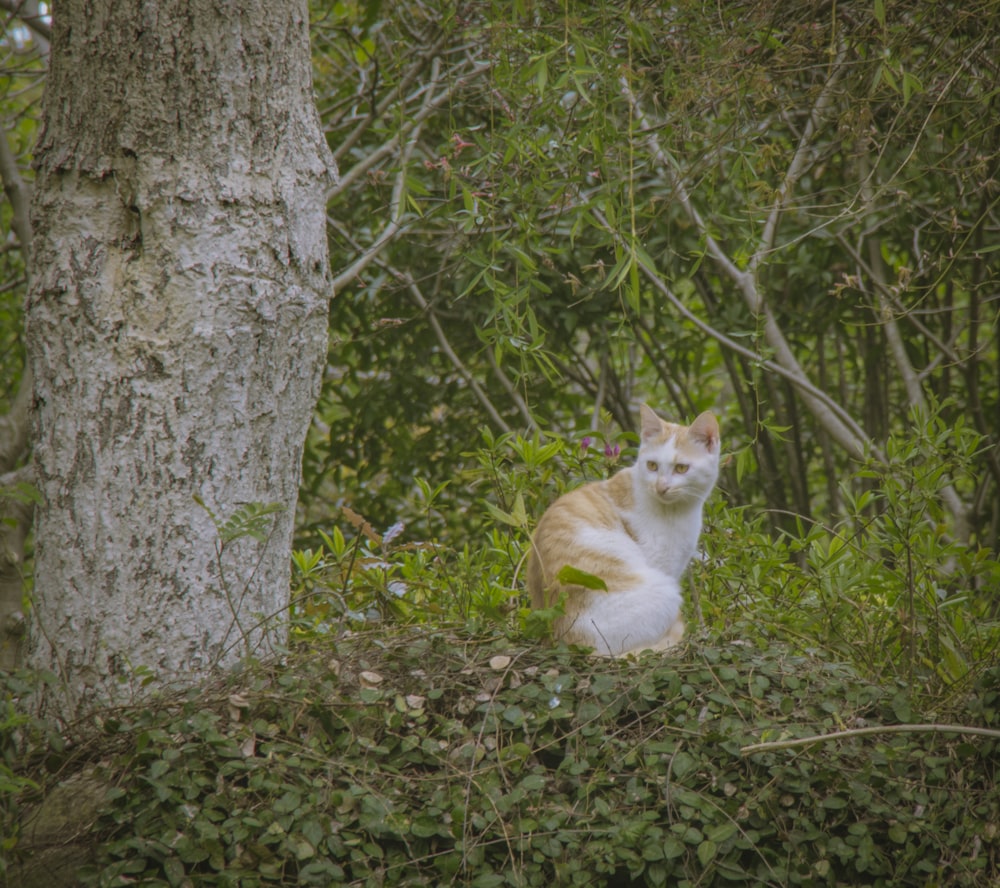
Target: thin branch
<point>862,732</point>
<point>799,164</point>
<point>28,13</point>
<point>18,194</point>
<point>943,347</point>
<point>897,350</point>
<point>514,394</point>
<point>831,416</point>
<point>14,425</point>
<point>450,353</point>
<point>387,148</point>
<point>602,381</point>
<point>795,376</point>
<point>396,204</point>
<point>408,77</point>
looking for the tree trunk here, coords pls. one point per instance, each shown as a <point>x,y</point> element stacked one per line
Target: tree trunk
<point>176,328</point>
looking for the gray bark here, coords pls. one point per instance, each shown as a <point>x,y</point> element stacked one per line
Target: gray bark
<point>176,328</point>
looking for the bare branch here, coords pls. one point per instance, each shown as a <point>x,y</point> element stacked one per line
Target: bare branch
<point>867,732</point>
<point>508,386</point>
<point>831,416</point>
<point>396,204</point>
<point>804,153</point>
<point>794,375</point>
<point>897,350</point>
<point>392,95</point>
<point>450,353</point>
<point>18,194</point>
<point>28,13</point>
<point>14,425</point>
<point>375,157</point>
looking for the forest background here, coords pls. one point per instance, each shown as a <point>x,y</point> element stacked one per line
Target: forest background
<point>783,213</point>
<point>548,213</point>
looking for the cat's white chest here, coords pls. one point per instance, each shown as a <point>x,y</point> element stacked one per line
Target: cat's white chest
<point>668,541</point>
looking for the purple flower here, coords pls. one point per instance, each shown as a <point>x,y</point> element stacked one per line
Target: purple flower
<point>585,442</point>
<point>612,452</point>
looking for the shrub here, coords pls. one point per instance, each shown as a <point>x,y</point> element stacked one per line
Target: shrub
<point>429,757</point>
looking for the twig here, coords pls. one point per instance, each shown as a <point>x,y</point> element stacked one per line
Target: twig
<point>394,94</point>
<point>15,424</point>
<point>442,338</point>
<point>379,154</point>
<point>861,732</point>
<point>508,386</point>
<point>450,353</point>
<point>29,15</point>
<point>396,205</point>
<point>834,419</point>
<point>796,377</point>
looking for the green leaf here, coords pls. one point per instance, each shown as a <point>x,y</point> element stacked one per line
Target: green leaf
<point>364,50</point>
<point>573,576</point>
<point>707,851</point>
<point>504,517</point>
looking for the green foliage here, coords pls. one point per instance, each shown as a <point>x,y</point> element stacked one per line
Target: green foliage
<point>20,90</point>
<point>353,575</point>
<point>538,213</point>
<point>18,783</point>
<point>252,520</point>
<point>435,758</point>
<point>517,310</point>
<point>884,587</point>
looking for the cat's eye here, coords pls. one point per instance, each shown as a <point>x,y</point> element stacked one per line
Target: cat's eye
<point>652,465</point>
<point>681,468</point>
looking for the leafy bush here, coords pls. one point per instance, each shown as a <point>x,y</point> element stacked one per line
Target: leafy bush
<point>886,587</point>
<point>430,757</point>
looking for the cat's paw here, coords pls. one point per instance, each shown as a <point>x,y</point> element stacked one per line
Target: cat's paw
<point>671,638</point>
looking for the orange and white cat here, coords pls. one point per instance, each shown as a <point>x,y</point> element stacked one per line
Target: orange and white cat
<point>637,531</point>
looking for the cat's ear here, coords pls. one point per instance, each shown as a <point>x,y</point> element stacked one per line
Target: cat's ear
<point>652,425</point>
<point>705,429</point>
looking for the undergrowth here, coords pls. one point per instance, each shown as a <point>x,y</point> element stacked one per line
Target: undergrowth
<point>426,756</point>
<point>422,731</point>
<point>886,586</point>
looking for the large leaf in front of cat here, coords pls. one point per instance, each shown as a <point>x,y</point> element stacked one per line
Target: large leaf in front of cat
<point>573,576</point>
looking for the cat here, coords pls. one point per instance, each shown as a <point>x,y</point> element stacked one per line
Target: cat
<point>636,531</point>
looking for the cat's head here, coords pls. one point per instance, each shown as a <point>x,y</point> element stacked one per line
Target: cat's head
<point>678,464</point>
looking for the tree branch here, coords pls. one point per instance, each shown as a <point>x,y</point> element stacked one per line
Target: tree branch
<point>863,732</point>
<point>897,348</point>
<point>17,193</point>
<point>799,164</point>
<point>14,425</point>
<point>450,353</point>
<point>514,394</point>
<point>795,375</point>
<point>387,148</point>
<point>393,94</point>
<point>28,13</point>
<point>396,204</point>
<point>831,416</point>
